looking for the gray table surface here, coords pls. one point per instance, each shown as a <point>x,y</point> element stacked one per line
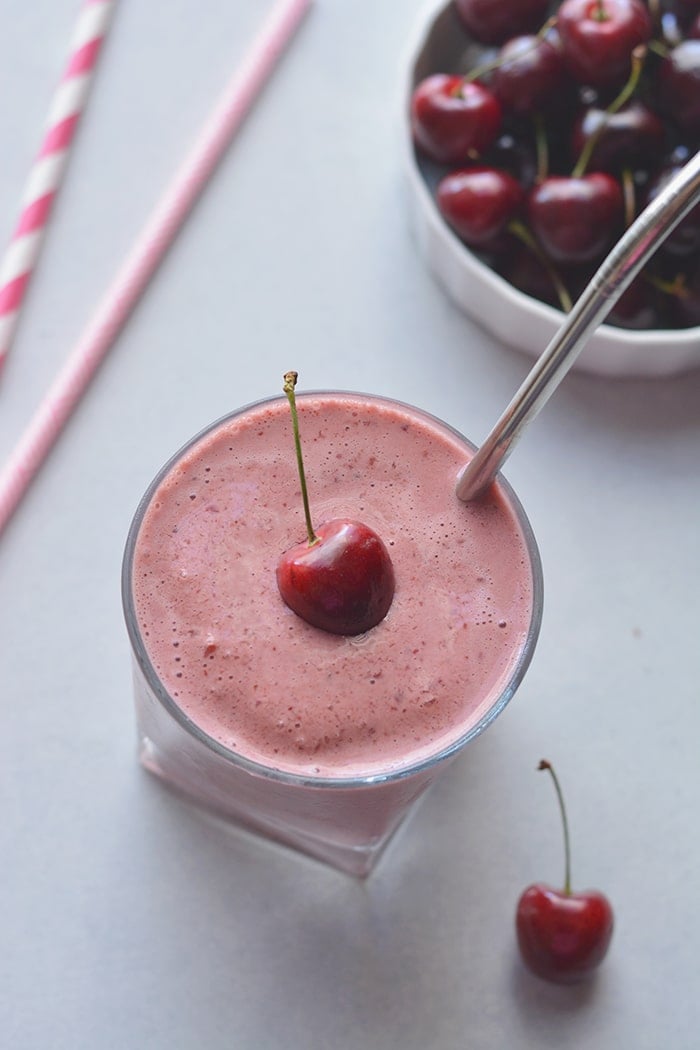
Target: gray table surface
<point>128,920</point>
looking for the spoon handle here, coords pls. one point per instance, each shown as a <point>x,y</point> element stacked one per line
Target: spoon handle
<point>604,289</point>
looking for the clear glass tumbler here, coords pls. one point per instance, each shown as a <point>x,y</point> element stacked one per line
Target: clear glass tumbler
<point>345,821</point>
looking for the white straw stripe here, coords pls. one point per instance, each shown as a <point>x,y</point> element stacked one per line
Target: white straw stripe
<point>91,24</point>
<point>69,99</point>
<point>20,256</point>
<point>44,176</point>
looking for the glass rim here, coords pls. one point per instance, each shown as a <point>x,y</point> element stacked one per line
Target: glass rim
<point>308,780</point>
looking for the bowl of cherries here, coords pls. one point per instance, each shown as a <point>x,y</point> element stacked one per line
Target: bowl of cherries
<point>536,132</point>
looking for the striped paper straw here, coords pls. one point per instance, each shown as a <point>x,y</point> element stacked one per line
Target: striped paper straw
<point>47,171</point>
<point>150,247</point>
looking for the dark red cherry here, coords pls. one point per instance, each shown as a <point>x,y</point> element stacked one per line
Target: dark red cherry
<point>493,21</point>
<point>599,36</point>
<point>632,137</point>
<point>343,583</point>
<point>479,202</point>
<point>523,270</point>
<point>563,936</point>
<point>637,307</point>
<point>678,82</point>
<point>341,579</point>
<point>576,218</point>
<point>530,74</point>
<point>453,119</point>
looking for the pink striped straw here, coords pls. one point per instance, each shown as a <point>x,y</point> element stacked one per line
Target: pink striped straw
<point>150,248</point>
<point>47,171</point>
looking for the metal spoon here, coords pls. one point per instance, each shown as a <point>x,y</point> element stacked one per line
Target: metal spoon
<point>606,286</point>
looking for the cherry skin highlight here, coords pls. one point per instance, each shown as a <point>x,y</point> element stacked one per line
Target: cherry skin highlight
<point>343,582</point>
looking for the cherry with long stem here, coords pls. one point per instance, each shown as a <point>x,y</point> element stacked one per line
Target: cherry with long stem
<point>342,578</point>
<point>562,936</point>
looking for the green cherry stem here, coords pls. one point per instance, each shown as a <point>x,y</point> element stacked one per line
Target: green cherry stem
<point>629,196</point>
<point>638,56</point>
<point>544,764</point>
<point>659,48</point>
<point>541,147</point>
<point>676,287</point>
<point>521,231</point>
<point>290,381</point>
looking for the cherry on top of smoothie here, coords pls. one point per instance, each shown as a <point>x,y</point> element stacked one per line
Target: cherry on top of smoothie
<point>259,679</point>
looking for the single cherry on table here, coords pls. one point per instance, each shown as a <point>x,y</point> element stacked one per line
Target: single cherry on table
<point>341,579</point>
<point>563,936</point>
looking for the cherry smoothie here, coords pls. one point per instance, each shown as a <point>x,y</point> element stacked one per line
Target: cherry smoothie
<point>238,697</point>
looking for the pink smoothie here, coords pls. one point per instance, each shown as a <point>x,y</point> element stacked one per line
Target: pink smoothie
<point>264,683</point>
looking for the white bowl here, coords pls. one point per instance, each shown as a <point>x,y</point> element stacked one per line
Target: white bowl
<point>515,318</point>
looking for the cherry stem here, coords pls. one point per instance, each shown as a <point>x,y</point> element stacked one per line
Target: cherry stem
<point>544,764</point>
<point>629,196</point>
<point>638,56</point>
<point>541,147</point>
<point>290,381</point>
<point>676,287</point>
<point>659,48</point>
<point>520,230</point>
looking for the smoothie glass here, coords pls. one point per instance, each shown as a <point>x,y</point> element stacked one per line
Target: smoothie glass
<point>345,820</point>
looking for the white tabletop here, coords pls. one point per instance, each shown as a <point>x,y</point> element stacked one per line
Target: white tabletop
<point>128,920</point>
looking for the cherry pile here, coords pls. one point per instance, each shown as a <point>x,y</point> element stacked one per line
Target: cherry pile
<point>561,122</point>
